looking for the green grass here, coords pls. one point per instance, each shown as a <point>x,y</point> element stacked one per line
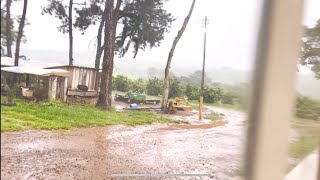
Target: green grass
<point>57,115</point>
<point>213,116</point>
<point>309,131</point>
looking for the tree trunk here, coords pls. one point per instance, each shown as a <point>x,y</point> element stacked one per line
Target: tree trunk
<point>166,84</point>
<point>104,100</point>
<point>20,32</point>
<point>111,19</point>
<point>99,51</point>
<point>70,34</point>
<point>8,28</point>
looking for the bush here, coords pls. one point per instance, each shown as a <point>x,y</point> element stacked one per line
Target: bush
<point>307,108</point>
<point>138,86</point>
<point>228,98</point>
<point>121,83</point>
<point>154,86</point>
<point>211,95</point>
<point>192,92</point>
<point>177,89</point>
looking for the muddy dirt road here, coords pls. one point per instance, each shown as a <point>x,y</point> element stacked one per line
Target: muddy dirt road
<point>98,152</point>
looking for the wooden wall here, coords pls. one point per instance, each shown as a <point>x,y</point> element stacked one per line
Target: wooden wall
<point>58,88</point>
<point>81,76</point>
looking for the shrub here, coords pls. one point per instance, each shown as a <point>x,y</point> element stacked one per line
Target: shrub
<point>121,83</point>
<point>307,108</point>
<point>138,86</point>
<point>211,95</point>
<point>154,86</point>
<point>177,89</point>
<point>192,92</point>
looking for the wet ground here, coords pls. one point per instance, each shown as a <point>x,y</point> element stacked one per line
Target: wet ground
<point>96,153</point>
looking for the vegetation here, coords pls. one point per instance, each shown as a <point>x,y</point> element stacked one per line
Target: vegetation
<point>57,115</point>
<point>154,86</point>
<point>217,95</point>
<point>213,116</point>
<point>311,49</point>
<point>309,132</point>
<point>143,24</point>
<point>307,108</point>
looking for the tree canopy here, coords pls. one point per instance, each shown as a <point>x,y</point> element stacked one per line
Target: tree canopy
<point>143,23</point>
<point>310,55</point>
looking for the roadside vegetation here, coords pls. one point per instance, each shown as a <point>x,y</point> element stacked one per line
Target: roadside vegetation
<point>213,116</point>
<point>309,131</point>
<point>215,94</point>
<point>57,115</point>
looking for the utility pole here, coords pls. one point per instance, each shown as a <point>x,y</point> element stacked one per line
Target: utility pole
<point>203,68</point>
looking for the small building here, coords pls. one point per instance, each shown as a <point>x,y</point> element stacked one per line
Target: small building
<point>79,86</point>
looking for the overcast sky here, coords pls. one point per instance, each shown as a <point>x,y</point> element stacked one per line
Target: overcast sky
<point>231,33</point>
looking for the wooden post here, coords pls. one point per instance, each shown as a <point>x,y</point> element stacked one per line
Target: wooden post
<point>203,69</point>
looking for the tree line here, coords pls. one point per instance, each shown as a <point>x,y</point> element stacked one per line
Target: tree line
<point>213,93</point>
<point>237,94</point>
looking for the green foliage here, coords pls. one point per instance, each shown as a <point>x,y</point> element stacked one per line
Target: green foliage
<point>154,86</point>
<point>59,10</point>
<point>231,95</point>
<point>144,24</point>
<point>177,89</point>
<point>138,86</point>
<point>211,95</point>
<point>192,92</point>
<point>308,140</point>
<point>85,16</point>
<point>121,83</point>
<point>57,115</point>
<point>311,49</point>
<point>308,108</point>
<point>4,30</point>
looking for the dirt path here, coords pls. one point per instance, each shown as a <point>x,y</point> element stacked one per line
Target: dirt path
<point>98,152</point>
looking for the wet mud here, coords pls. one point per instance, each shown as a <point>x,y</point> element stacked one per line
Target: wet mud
<point>214,148</point>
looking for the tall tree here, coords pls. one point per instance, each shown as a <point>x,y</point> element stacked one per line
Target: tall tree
<point>59,10</point>
<point>310,56</point>
<point>70,33</point>
<point>20,32</point>
<point>104,100</point>
<point>8,28</point>
<point>143,22</point>
<point>166,84</point>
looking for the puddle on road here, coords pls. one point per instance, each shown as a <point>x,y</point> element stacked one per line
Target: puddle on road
<point>194,126</point>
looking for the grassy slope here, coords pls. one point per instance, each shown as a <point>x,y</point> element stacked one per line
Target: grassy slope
<point>55,115</point>
<point>309,131</point>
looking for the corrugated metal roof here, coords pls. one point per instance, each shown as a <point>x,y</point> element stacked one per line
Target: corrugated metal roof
<point>67,66</point>
<point>8,61</point>
<point>36,71</point>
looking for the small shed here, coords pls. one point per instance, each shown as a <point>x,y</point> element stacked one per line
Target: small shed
<point>56,78</point>
<point>79,76</point>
